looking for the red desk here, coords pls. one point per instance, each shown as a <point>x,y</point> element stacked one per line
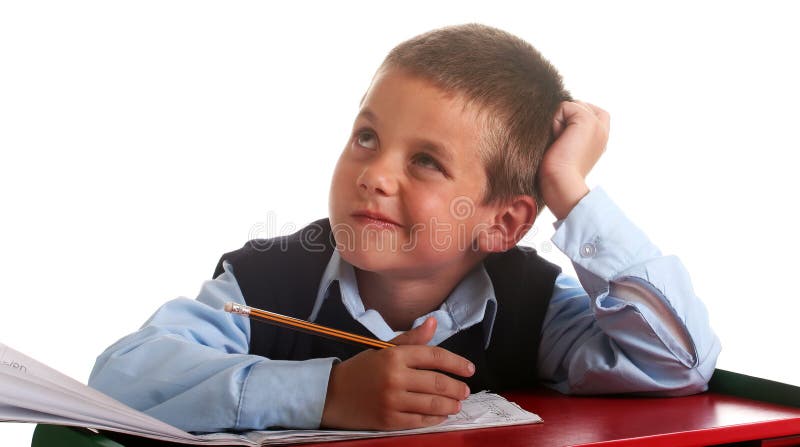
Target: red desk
<point>738,408</point>
<point>710,418</point>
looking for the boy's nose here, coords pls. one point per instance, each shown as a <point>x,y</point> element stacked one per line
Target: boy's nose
<point>377,178</point>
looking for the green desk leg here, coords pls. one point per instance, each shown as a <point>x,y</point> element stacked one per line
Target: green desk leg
<point>60,436</point>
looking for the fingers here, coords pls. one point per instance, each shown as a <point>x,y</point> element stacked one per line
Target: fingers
<point>435,383</point>
<point>413,410</point>
<point>430,405</point>
<point>407,421</point>
<point>420,335</point>
<point>577,111</point>
<point>439,359</point>
<point>599,113</point>
<point>589,123</point>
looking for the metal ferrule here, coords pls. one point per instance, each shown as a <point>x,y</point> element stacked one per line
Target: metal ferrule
<point>240,309</point>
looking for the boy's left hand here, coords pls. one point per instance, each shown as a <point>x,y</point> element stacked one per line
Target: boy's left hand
<point>581,133</point>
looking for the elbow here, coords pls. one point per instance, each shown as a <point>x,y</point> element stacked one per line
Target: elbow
<point>98,378</point>
<point>107,375</point>
<point>683,380</point>
<point>118,370</point>
<point>673,383</point>
<point>691,382</point>
<point>656,375</point>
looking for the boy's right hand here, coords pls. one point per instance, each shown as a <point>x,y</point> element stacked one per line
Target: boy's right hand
<point>397,388</point>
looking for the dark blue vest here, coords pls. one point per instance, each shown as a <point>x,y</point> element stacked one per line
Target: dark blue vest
<point>283,275</point>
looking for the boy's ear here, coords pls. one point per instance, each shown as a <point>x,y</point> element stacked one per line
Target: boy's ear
<point>510,223</point>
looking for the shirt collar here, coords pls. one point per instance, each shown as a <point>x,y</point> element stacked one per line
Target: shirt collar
<point>472,301</point>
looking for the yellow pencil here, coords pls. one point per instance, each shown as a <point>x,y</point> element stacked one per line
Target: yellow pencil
<point>304,326</point>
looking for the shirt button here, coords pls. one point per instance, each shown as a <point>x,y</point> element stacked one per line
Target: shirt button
<point>588,250</point>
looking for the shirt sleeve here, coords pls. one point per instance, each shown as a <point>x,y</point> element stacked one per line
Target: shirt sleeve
<point>189,366</point>
<point>633,324</point>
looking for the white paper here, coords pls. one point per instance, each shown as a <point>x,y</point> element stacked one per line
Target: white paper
<point>33,392</point>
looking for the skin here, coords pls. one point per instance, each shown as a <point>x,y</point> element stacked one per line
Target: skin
<point>441,233</point>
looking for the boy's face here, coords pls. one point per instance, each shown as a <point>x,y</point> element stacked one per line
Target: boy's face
<point>413,158</point>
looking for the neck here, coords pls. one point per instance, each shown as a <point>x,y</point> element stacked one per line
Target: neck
<point>401,300</point>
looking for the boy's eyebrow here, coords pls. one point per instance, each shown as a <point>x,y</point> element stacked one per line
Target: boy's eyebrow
<point>428,145</point>
<point>368,114</point>
<point>436,148</point>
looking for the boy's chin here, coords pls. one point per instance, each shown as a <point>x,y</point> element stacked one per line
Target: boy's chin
<point>408,263</point>
<point>387,262</point>
<point>370,260</point>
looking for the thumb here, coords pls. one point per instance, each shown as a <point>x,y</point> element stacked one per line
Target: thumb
<point>420,335</point>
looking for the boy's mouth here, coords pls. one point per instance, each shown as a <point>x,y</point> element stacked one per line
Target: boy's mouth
<point>375,218</point>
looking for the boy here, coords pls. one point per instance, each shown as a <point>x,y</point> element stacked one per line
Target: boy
<point>462,137</point>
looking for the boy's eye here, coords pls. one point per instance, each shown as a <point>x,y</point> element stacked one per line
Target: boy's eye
<point>429,162</point>
<point>366,139</point>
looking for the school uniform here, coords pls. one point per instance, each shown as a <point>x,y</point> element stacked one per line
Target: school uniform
<point>516,316</point>
<point>283,276</point>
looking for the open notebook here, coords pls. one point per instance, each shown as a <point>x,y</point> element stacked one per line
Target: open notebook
<point>33,392</point>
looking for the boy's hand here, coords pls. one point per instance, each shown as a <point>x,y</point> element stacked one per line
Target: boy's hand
<point>397,388</point>
<point>581,132</point>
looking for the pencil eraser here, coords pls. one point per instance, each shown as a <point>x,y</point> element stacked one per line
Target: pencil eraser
<point>228,307</point>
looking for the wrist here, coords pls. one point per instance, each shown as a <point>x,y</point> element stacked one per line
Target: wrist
<point>328,419</point>
<point>561,195</point>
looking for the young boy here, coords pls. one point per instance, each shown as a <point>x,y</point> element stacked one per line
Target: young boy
<point>463,136</point>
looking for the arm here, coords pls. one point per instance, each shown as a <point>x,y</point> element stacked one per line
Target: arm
<point>638,327</point>
<point>634,323</point>
<point>188,366</point>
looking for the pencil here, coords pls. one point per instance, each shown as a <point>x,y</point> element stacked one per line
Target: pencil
<point>304,326</point>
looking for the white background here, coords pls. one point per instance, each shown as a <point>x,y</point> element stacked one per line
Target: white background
<point>141,140</point>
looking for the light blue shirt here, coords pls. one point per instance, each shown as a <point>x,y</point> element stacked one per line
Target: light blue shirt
<point>633,324</point>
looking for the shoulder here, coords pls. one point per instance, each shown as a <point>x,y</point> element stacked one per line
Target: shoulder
<point>520,261</point>
<point>314,238</point>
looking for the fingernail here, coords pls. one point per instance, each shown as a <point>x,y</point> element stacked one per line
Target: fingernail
<point>470,367</point>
